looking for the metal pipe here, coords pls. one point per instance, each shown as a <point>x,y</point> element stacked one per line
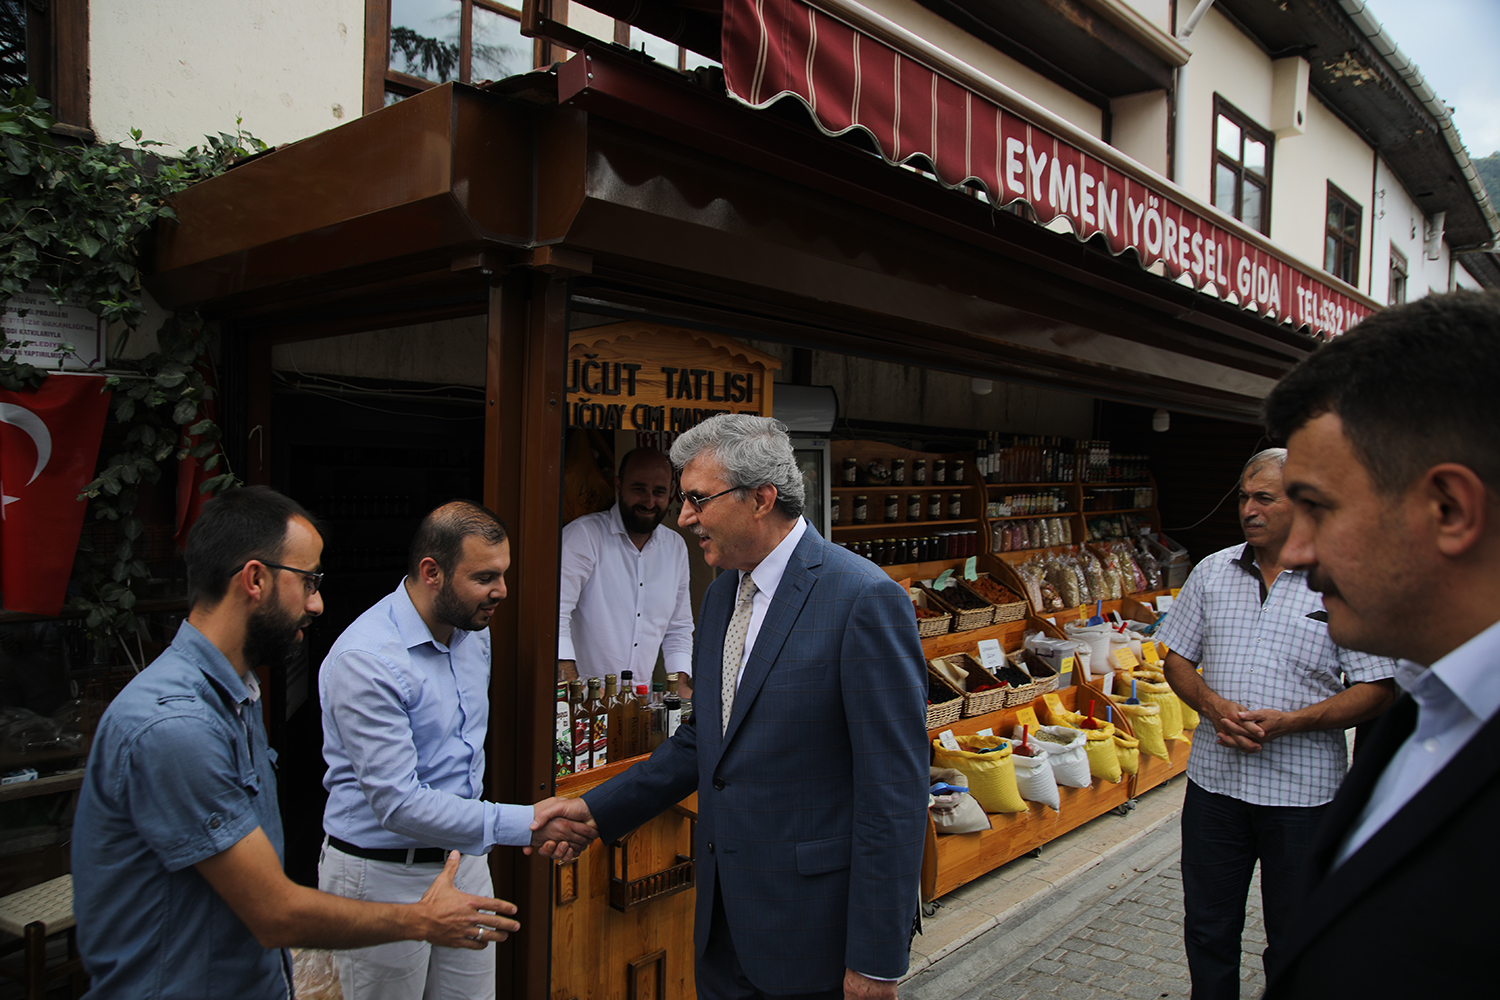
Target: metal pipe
<point>1193,19</point>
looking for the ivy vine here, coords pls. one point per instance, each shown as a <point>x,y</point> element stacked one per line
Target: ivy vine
<point>73,221</point>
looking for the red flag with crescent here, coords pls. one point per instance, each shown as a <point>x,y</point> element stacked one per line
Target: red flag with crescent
<point>49,446</point>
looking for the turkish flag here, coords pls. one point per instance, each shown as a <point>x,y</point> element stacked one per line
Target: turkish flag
<point>49,446</point>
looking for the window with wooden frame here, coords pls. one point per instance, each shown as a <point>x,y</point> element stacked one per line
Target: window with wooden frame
<point>1341,237</point>
<point>412,45</point>
<point>1397,292</point>
<point>1242,167</point>
<point>44,44</point>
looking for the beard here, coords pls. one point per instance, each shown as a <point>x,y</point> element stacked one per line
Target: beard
<point>639,525</point>
<point>271,637</point>
<point>451,610</point>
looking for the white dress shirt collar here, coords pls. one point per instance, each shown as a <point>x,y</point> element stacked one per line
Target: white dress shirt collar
<point>767,575</point>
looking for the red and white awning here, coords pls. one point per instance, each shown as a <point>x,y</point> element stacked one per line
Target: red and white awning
<point>850,80</point>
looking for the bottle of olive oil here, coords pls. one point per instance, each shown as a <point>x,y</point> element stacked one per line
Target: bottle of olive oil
<point>582,732</point>
<point>598,725</point>
<point>562,741</point>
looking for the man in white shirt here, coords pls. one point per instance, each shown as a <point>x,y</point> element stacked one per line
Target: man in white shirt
<point>1393,467</point>
<point>624,591</point>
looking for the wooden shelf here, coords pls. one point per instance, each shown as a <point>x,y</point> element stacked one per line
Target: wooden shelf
<point>1030,486</point>
<point>1033,517</point>
<point>955,859</point>
<point>1115,510</point>
<point>883,525</point>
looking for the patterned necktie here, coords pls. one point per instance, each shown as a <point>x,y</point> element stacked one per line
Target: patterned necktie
<point>734,648</point>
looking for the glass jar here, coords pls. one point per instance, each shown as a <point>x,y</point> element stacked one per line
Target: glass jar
<point>898,472</point>
<point>851,472</point>
<point>955,506</point>
<point>935,507</point>
<point>939,472</point>
<point>919,472</point>
<point>914,507</point>
<point>833,509</point>
<point>892,507</point>
<point>861,509</point>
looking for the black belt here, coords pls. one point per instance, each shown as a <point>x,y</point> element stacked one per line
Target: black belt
<point>403,856</point>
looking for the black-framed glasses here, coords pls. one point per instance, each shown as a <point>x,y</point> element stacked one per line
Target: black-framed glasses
<point>698,503</point>
<point>312,581</point>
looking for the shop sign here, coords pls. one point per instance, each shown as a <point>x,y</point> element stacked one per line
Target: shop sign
<point>649,378</point>
<point>847,80</point>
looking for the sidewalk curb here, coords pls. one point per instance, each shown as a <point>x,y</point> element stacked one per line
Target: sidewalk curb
<point>1041,900</point>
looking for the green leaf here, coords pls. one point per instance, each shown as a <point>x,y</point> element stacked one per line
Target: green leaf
<point>185,411</point>
<point>131,528</point>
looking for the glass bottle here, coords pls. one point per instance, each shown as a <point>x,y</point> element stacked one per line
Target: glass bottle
<point>658,714</point>
<point>612,728</point>
<point>582,733</point>
<point>562,740</point>
<point>598,724</point>
<point>672,704</point>
<point>643,742</point>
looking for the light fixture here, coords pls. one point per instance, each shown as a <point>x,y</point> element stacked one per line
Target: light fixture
<point>1161,421</point>
<point>981,386</point>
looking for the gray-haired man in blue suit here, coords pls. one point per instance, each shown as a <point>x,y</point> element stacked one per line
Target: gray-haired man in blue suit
<point>808,747</point>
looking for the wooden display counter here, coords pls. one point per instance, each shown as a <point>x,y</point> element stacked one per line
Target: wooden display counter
<point>622,914</point>
<point>955,859</point>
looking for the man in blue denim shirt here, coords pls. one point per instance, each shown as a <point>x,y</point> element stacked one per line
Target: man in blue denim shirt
<point>405,694</point>
<point>177,847</point>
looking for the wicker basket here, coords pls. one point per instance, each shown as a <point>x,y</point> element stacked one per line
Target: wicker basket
<point>1004,613</point>
<point>978,702</point>
<point>963,620</point>
<point>928,627</point>
<point>943,713</point>
<point>1043,680</point>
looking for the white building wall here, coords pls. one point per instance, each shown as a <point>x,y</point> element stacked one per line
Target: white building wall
<point>1400,223</point>
<point>181,69</point>
<point>1227,63</point>
<point>1304,166</point>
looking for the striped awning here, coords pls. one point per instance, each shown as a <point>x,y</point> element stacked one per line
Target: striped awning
<point>927,113</point>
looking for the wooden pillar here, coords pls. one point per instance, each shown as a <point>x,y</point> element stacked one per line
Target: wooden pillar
<point>524,413</point>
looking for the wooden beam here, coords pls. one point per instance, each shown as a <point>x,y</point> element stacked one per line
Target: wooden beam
<point>524,423</point>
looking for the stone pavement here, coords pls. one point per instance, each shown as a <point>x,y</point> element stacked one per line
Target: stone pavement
<point>1099,915</point>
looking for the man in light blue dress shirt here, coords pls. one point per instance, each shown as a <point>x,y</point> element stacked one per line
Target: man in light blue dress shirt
<point>405,695</point>
<point>177,846</point>
<point>1393,438</point>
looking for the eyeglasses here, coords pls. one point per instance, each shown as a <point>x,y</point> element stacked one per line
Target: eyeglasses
<point>698,503</point>
<point>310,580</point>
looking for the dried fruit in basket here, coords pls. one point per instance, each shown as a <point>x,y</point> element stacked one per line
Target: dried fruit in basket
<point>927,612</point>
<point>993,592</point>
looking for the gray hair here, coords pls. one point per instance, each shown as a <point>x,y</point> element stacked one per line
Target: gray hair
<point>1276,456</point>
<point>754,451</point>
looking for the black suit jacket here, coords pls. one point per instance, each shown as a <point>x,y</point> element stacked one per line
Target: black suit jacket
<point>1411,908</point>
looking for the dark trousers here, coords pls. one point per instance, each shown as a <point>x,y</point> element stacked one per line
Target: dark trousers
<point>1222,838</point>
<point>718,975</point>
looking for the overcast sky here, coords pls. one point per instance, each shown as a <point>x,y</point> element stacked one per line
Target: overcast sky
<point>1456,45</point>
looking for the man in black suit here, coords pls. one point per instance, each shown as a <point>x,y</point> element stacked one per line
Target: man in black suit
<point>1393,438</point>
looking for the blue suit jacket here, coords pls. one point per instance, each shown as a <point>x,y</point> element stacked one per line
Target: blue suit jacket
<point>812,806</point>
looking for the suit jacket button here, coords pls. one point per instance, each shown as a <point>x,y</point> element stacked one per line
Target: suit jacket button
<point>710,847</point>
<point>718,784</point>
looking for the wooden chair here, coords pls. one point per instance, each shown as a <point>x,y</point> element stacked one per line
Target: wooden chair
<point>33,915</point>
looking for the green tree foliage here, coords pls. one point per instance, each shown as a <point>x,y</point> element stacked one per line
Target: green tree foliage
<point>73,220</point>
<point>1489,172</point>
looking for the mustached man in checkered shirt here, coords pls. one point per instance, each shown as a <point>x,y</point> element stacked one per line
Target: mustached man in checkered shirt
<point>1279,694</point>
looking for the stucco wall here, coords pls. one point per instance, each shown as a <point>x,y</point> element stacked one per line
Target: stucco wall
<point>1139,128</point>
<point>180,69</point>
<point>1305,164</point>
<point>1227,63</point>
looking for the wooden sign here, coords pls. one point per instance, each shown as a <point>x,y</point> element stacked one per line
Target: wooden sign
<point>649,377</point>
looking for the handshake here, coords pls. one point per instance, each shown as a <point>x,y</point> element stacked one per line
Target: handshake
<point>561,828</point>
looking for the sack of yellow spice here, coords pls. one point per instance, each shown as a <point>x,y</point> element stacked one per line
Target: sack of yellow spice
<point>1162,695</point>
<point>1145,719</point>
<point>1104,759</point>
<point>992,776</point>
<point>1128,748</point>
